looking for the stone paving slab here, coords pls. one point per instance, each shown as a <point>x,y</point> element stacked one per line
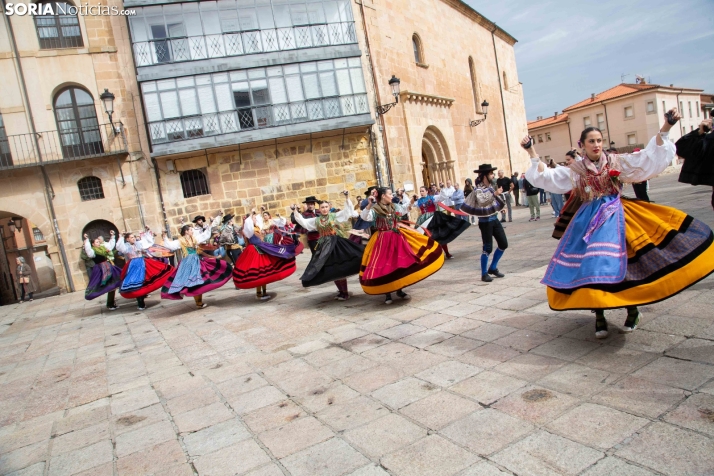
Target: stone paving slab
<point>465,379</point>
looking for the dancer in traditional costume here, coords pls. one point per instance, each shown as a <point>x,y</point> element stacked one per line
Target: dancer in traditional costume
<point>105,277</point>
<point>309,212</point>
<point>194,275</point>
<point>231,239</point>
<point>697,150</point>
<point>619,252</point>
<point>443,228</point>
<point>142,274</point>
<point>485,202</point>
<point>335,257</point>
<point>396,256</point>
<point>263,262</point>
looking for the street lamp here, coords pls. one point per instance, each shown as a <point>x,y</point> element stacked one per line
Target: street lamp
<point>15,223</point>
<point>394,84</point>
<point>484,109</point>
<point>108,100</point>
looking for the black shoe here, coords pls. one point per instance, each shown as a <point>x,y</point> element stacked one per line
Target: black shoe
<point>600,328</point>
<point>403,295</point>
<point>496,273</point>
<point>631,322</point>
<point>486,278</point>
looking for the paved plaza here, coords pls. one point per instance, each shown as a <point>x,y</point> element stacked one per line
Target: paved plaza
<point>467,378</point>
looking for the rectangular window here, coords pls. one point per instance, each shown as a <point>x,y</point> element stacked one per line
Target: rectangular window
<point>540,137</point>
<point>651,107</point>
<point>600,121</point>
<point>690,109</point>
<point>664,108</point>
<point>697,108</point>
<point>547,136</point>
<point>681,108</point>
<point>692,128</point>
<point>684,130</point>
<point>629,112</point>
<point>631,139</point>
<point>547,158</point>
<point>586,121</point>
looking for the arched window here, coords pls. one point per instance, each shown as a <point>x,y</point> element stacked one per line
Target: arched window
<point>194,183</point>
<point>90,188</point>
<point>505,81</point>
<point>474,85</point>
<point>59,29</point>
<point>77,123</point>
<point>418,49</point>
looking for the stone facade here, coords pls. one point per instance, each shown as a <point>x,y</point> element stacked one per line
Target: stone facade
<point>273,178</point>
<point>462,64</point>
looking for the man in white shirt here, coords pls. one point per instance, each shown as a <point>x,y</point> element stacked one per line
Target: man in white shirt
<point>446,193</point>
<point>200,225</point>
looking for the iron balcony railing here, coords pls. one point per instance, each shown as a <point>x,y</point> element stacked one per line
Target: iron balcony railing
<point>256,117</point>
<point>21,150</point>
<point>192,48</point>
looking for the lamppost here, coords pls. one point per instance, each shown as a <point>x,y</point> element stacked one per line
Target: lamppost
<point>394,83</point>
<point>108,100</point>
<point>484,108</point>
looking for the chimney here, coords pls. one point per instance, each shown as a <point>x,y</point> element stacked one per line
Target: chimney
<point>671,85</point>
<point>555,114</point>
<point>592,96</point>
<point>539,118</point>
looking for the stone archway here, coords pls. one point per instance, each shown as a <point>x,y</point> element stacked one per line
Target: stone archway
<point>437,165</point>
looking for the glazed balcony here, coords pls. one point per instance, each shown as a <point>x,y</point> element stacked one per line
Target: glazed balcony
<point>51,147</point>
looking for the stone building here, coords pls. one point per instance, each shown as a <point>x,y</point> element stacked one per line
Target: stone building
<point>628,114</point>
<point>450,59</point>
<point>63,167</point>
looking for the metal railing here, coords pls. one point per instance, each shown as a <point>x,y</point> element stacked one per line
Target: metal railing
<point>192,48</point>
<point>256,117</point>
<point>21,150</point>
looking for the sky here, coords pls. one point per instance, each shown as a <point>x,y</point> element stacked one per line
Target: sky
<point>570,49</point>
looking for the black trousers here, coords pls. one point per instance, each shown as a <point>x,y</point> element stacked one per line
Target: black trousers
<point>141,301</point>
<point>515,195</point>
<point>234,254</point>
<point>641,190</point>
<point>490,230</point>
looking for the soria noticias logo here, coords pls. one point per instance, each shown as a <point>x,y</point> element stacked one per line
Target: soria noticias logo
<point>84,9</point>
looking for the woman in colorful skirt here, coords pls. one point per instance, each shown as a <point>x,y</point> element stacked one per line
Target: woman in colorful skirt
<point>335,256</point>
<point>105,277</point>
<point>261,262</point>
<point>142,274</point>
<point>396,256</point>
<point>443,228</point>
<point>194,275</point>
<point>485,202</point>
<point>619,252</point>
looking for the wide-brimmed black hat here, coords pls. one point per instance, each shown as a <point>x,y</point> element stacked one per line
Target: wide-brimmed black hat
<point>485,169</point>
<point>369,190</point>
<point>199,217</point>
<point>227,218</point>
<point>312,199</point>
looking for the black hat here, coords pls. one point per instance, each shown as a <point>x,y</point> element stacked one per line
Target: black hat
<point>198,217</point>
<point>485,169</point>
<point>369,190</point>
<point>227,218</point>
<point>312,199</point>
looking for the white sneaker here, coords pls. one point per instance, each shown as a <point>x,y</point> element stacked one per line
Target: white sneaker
<point>141,308</point>
<point>266,297</point>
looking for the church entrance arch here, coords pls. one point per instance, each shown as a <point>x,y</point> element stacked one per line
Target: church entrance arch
<point>437,164</point>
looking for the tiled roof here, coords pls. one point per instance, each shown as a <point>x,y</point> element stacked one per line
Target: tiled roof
<point>548,121</point>
<point>612,93</point>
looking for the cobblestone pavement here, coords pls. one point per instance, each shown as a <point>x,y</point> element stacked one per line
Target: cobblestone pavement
<point>467,378</point>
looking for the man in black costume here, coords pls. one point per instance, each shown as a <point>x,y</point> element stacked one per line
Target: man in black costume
<point>697,150</point>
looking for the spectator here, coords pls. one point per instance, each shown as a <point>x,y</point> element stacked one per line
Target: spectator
<point>522,187</point>
<point>533,203</point>
<point>516,188</point>
<point>556,199</point>
<point>468,189</point>
<point>458,198</point>
<point>505,184</point>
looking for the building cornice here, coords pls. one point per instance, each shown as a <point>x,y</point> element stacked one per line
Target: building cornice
<point>468,11</point>
<point>424,98</point>
<point>660,89</point>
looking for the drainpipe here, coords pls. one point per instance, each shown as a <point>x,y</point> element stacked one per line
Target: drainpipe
<point>161,197</point>
<point>503,104</point>
<point>383,126</point>
<point>49,194</point>
<point>607,124</point>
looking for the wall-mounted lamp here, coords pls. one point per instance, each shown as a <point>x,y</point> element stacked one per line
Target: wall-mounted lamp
<point>108,101</point>
<point>394,84</point>
<point>15,223</point>
<point>484,109</point>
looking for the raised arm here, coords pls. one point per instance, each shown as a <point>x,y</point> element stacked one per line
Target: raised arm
<point>347,212</point>
<point>173,245</point>
<point>202,236</point>
<point>649,162</point>
<point>147,239</point>
<point>88,248</point>
<point>307,223</point>
<point>368,214</point>
<point>111,243</point>
<point>555,180</point>
<point>121,245</point>
<point>248,225</point>
<point>280,222</point>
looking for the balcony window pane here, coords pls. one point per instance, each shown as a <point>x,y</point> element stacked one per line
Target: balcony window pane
<point>310,83</point>
<point>277,90</point>
<point>291,69</point>
<point>138,29</point>
<point>206,100</point>
<point>156,27</point>
<point>189,102</point>
<point>308,67</point>
<point>229,21</point>
<point>153,109</point>
<point>248,19</point>
<point>327,84</point>
<point>298,13</point>
<point>343,81</point>
<point>315,13</point>
<point>282,15</point>
<point>192,19</point>
<point>345,10</point>
<point>275,71</point>
<point>175,28</point>
<point>223,97</point>
<point>241,95</point>
<point>166,84</point>
<point>220,78</point>
<point>332,13</point>
<point>357,80</point>
<point>256,73</point>
<point>169,104</point>
<point>325,65</point>
<point>265,18</point>
<point>210,19</point>
<point>294,86</point>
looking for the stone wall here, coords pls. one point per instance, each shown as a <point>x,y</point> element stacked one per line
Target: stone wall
<point>257,176</point>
